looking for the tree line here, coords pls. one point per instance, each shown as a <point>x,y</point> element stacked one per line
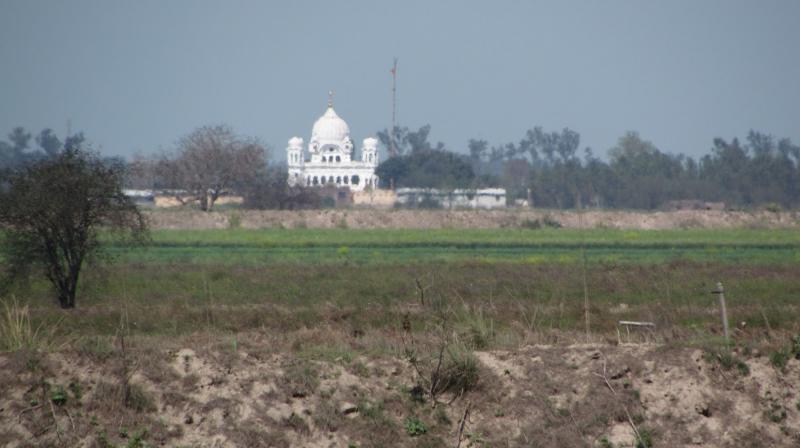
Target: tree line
<point>551,165</point>
<point>550,168</point>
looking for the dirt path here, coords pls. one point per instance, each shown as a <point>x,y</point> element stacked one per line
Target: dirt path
<point>435,219</point>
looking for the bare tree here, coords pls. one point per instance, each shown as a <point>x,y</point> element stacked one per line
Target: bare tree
<point>52,211</point>
<point>212,160</point>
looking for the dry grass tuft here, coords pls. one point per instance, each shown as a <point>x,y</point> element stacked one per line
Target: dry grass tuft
<point>17,332</point>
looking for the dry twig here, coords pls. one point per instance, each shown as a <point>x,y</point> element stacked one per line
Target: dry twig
<point>463,424</point>
<point>624,408</point>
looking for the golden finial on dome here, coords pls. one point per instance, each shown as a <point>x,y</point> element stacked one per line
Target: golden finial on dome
<point>330,98</point>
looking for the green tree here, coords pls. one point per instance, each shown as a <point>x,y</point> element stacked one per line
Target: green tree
<point>52,211</point>
<point>49,142</point>
<point>427,168</point>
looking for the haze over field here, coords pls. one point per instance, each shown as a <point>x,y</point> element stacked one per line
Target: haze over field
<point>135,76</point>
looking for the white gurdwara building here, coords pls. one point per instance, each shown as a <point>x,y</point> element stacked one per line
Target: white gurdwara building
<point>331,160</point>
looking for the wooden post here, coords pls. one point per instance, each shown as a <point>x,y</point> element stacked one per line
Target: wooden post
<point>723,310</point>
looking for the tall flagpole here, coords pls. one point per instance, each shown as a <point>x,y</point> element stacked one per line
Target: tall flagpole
<point>392,149</point>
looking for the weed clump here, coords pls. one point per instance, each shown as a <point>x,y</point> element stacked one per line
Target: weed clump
<point>58,396</point>
<point>728,361</point>
<point>645,439</point>
<point>301,379</point>
<point>415,427</point>
<point>779,358</point>
<point>545,222</point>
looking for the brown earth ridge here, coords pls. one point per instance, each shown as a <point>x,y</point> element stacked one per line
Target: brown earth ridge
<point>470,219</point>
<point>539,395</point>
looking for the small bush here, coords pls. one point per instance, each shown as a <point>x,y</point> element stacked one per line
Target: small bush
<point>779,358</point>
<point>461,374</point>
<point>137,441</point>
<point>546,222</point>
<point>742,367</point>
<point>138,399</point>
<point>645,439</point>
<point>235,221</point>
<point>301,379</point>
<point>327,417</point>
<point>728,361</point>
<point>58,396</point>
<point>776,413</point>
<point>296,423</point>
<point>97,348</point>
<point>415,427</point>
<point>605,443</point>
<point>549,221</point>
<point>796,346</point>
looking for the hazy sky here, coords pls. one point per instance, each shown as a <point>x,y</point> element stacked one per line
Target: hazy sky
<point>136,75</point>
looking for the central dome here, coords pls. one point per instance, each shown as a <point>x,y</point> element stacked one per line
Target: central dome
<point>330,128</point>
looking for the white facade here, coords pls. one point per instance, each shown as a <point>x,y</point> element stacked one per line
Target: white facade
<point>487,198</point>
<point>331,157</point>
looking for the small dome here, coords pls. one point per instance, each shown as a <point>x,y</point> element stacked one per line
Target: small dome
<point>330,128</point>
<point>370,144</point>
<point>295,143</point>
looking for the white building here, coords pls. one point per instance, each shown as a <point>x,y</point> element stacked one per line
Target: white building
<point>487,198</point>
<point>331,156</point>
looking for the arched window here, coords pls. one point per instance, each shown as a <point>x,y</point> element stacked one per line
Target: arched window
<point>323,159</point>
<point>346,180</point>
<point>316,180</point>
<point>354,179</point>
<point>338,180</point>
<point>330,179</point>
<point>338,159</point>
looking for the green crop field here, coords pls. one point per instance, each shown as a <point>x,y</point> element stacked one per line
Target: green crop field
<point>392,246</point>
<point>278,279</point>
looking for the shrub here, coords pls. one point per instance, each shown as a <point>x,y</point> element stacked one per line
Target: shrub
<point>58,396</point>
<point>728,361</point>
<point>605,443</point>
<point>301,379</point>
<point>546,222</point>
<point>415,427</point>
<point>779,358</point>
<point>235,221</point>
<point>645,439</point>
<point>138,399</point>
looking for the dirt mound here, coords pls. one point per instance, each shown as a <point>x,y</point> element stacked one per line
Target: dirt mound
<point>483,219</point>
<point>243,395</point>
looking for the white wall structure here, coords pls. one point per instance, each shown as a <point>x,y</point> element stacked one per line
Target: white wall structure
<point>487,198</point>
<point>331,156</point>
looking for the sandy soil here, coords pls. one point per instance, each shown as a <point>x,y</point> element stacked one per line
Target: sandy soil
<point>488,219</point>
<point>579,395</point>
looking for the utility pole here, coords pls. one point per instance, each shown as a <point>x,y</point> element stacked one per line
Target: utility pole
<point>392,149</point>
